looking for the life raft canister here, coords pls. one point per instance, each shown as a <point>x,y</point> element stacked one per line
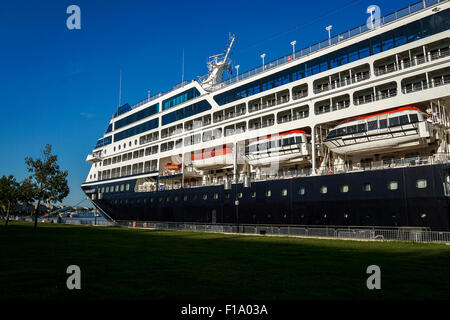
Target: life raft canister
<point>330,171</point>
<point>289,58</point>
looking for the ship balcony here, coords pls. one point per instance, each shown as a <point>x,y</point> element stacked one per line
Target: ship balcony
<point>342,79</point>
<point>412,58</point>
<point>94,157</point>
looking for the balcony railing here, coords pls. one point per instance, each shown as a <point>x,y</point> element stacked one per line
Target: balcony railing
<point>342,83</point>
<point>299,95</point>
<point>415,87</point>
<point>371,98</point>
<point>415,62</point>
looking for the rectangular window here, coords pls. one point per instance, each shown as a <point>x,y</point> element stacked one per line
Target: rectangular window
<point>185,112</point>
<point>404,120</point>
<point>413,118</point>
<point>393,185</point>
<point>393,122</point>
<point>136,116</point>
<point>372,125</point>
<point>383,123</point>
<point>421,183</point>
<point>180,98</point>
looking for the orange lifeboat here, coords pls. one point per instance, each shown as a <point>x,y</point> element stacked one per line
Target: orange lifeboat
<point>173,166</point>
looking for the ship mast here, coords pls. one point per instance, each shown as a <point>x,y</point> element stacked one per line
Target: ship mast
<point>217,64</point>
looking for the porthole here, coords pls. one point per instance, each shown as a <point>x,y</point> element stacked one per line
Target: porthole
<point>117,188</point>
<point>346,216</point>
<point>393,185</point>
<point>227,195</point>
<point>301,191</point>
<point>367,187</point>
<point>122,187</point>
<point>239,195</point>
<point>185,197</point>
<point>284,192</point>
<point>205,196</point>
<point>216,196</point>
<point>167,199</point>
<point>421,183</point>
<point>344,188</point>
<point>323,189</point>
<point>253,194</point>
<point>268,193</point>
<point>176,198</point>
<point>423,215</point>
<point>127,187</point>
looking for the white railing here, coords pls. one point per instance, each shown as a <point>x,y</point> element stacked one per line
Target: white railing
<point>335,232</point>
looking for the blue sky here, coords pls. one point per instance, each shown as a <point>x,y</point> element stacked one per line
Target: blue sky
<point>60,86</point>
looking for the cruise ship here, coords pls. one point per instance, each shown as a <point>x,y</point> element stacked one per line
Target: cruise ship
<point>350,131</point>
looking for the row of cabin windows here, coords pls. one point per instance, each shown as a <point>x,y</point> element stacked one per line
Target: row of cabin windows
<point>374,125</point>
<point>367,187</point>
<point>131,155</point>
<point>392,185</point>
<point>116,188</point>
<point>142,167</point>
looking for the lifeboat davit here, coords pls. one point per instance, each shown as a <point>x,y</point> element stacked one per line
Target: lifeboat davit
<point>399,129</point>
<point>291,147</point>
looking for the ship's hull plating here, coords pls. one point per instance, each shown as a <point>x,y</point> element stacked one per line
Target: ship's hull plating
<point>407,206</point>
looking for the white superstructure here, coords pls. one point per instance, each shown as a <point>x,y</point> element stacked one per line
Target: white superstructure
<point>199,132</point>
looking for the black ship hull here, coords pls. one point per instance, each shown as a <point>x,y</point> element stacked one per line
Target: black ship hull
<point>401,197</point>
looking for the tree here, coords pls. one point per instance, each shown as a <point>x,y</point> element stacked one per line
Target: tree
<point>9,195</point>
<point>48,184</point>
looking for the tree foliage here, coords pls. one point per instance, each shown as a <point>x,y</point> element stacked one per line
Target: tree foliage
<point>47,183</point>
<point>12,193</point>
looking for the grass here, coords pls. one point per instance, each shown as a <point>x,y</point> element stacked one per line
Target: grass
<point>132,264</point>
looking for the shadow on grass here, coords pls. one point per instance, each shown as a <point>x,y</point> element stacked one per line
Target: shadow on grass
<point>118,263</point>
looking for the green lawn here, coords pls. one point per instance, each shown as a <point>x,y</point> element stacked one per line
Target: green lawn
<point>118,263</point>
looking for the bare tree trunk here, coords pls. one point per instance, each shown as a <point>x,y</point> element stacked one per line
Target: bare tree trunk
<point>7,214</point>
<point>36,211</point>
